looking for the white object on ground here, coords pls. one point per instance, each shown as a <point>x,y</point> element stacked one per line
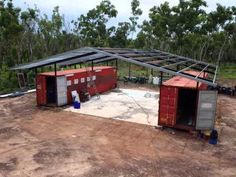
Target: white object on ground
<point>156,80</point>
<point>75,96</point>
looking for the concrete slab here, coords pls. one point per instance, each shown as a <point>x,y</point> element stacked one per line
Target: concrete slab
<point>124,104</point>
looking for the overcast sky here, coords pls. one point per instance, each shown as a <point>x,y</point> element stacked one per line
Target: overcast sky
<point>74,8</point>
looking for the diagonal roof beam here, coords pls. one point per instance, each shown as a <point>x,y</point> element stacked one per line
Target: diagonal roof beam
<point>184,69</point>
<point>202,71</point>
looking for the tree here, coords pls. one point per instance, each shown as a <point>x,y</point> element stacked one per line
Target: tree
<point>29,20</point>
<point>136,12</point>
<point>51,31</point>
<point>120,38</point>
<point>92,26</point>
<point>121,35</point>
<point>185,29</point>
<point>10,33</point>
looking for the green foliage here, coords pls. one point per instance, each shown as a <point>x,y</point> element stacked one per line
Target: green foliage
<point>7,80</point>
<point>185,29</point>
<point>136,12</point>
<point>92,26</point>
<point>227,71</point>
<point>120,35</point>
<point>120,39</point>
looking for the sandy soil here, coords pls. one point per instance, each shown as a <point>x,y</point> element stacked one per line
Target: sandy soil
<point>55,143</point>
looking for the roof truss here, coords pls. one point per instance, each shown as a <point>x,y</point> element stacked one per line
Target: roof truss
<point>154,59</point>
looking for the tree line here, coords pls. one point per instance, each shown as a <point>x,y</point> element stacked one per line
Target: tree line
<point>186,29</point>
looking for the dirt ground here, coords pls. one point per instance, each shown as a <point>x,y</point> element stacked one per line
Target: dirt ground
<point>51,142</point>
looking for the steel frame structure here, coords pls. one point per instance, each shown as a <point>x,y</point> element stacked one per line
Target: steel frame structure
<point>154,59</point>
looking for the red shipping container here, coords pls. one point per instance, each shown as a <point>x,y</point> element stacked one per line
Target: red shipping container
<point>57,90</point>
<point>179,104</point>
<point>41,90</point>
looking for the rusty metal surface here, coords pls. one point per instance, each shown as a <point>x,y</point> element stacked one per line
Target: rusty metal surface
<point>179,81</point>
<point>168,106</point>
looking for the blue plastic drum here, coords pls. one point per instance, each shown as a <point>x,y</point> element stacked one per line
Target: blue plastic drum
<point>76,105</point>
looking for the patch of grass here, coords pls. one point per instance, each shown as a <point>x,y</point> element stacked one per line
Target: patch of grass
<point>227,71</point>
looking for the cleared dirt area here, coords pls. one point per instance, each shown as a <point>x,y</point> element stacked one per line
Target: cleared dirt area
<point>51,142</point>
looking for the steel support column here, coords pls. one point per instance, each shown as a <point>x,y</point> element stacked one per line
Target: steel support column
<point>129,69</point>
<point>116,64</point>
<point>147,72</point>
<point>35,71</point>
<point>161,78</point>
<point>55,69</point>
<point>55,73</point>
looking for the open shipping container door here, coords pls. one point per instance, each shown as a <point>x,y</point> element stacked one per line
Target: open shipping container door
<point>167,106</point>
<point>41,90</point>
<point>61,91</point>
<point>206,112</point>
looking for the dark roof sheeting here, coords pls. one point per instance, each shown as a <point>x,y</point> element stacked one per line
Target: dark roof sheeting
<point>88,58</point>
<point>53,59</point>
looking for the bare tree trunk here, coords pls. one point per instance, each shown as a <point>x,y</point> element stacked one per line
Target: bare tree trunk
<point>201,51</point>
<point>206,48</point>
<point>221,52</point>
<point>179,51</point>
<point>30,47</point>
<point>19,49</point>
